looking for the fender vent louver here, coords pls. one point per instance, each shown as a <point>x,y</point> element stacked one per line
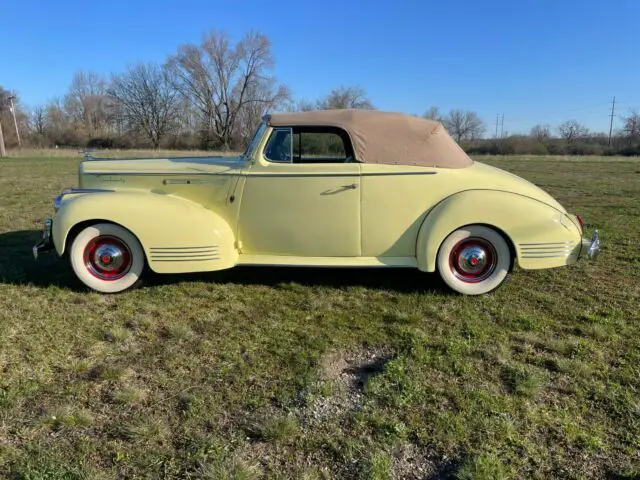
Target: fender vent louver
<point>184,254</point>
<point>546,250</point>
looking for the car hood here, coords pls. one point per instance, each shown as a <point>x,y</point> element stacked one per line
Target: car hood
<point>498,179</point>
<point>159,166</point>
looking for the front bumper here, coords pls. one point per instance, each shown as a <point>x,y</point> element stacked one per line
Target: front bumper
<point>46,242</point>
<point>591,247</point>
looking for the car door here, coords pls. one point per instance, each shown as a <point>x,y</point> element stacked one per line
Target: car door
<point>302,196</point>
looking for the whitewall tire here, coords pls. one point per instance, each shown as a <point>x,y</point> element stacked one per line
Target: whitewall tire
<point>474,260</point>
<point>107,258</point>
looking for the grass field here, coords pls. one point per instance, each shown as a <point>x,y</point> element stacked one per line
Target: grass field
<point>285,373</point>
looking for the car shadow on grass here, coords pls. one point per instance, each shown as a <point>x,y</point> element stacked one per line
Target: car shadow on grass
<point>402,280</point>
<point>18,267</point>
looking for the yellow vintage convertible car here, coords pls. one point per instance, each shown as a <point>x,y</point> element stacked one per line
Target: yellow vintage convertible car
<point>340,188</point>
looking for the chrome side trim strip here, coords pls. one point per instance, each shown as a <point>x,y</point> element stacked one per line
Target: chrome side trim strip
<point>167,255</point>
<point>183,248</point>
<point>380,174</point>
<point>188,181</point>
<point>545,244</point>
<point>186,259</point>
<point>552,252</point>
<point>191,174</point>
<point>70,191</point>
<point>552,247</point>
<point>158,174</point>
<point>377,174</point>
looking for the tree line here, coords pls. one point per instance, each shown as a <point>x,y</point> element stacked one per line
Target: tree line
<point>212,95</point>
<point>568,138</point>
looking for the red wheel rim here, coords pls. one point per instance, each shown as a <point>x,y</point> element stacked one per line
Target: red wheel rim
<point>107,258</point>
<point>473,260</point>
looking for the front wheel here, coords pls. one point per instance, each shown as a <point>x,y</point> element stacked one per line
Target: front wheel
<point>474,260</point>
<point>107,258</point>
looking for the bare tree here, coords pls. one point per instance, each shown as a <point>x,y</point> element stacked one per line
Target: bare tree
<point>304,106</point>
<point>571,130</point>
<point>542,133</point>
<point>57,122</point>
<point>345,97</point>
<point>87,103</point>
<point>433,114</point>
<point>250,116</point>
<point>464,125</point>
<point>147,100</point>
<point>631,127</point>
<point>38,120</point>
<point>221,80</point>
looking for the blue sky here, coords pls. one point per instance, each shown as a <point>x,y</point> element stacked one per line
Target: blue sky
<point>536,61</point>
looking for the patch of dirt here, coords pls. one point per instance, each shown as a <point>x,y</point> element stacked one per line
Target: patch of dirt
<point>410,462</point>
<point>350,372</point>
<point>353,369</point>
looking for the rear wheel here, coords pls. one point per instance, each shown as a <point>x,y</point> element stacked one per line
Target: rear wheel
<point>474,260</point>
<point>107,258</point>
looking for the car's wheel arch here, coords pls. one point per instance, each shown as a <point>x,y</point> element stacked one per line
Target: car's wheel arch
<point>455,212</point>
<point>498,230</point>
<point>165,226</point>
<point>75,230</point>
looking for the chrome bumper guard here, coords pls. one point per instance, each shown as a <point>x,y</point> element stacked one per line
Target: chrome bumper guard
<point>46,243</point>
<point>592,247</point>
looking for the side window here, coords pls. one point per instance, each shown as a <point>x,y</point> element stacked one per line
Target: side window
<point>309,145</point>
<point>278,147</point>
<point>321,145</point>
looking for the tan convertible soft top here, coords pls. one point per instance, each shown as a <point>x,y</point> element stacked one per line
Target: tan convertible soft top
<point>384,137</point>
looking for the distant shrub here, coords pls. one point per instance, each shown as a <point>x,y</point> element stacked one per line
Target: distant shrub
<point>101,143</point>
<point>526,145</point>
<point>630,151</point>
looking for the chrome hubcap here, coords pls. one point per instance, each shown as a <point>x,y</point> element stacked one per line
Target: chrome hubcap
<point>107,258</point>
<point>473,260</point>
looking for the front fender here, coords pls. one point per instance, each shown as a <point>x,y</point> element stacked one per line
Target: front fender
<point>177,235</point>
<point>541,235</point>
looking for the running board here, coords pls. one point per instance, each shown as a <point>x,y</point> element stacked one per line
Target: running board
<point>355,262</point>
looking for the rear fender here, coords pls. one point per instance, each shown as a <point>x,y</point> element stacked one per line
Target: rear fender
<point>520,219</point>
<point>177,235</point>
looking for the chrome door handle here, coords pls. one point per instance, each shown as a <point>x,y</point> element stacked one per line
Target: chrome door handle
<point>353,186</point>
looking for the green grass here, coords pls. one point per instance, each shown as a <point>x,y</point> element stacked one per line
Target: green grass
<point>221,375</point>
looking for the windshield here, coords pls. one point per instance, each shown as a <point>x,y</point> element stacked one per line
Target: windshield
<point>255,140</point>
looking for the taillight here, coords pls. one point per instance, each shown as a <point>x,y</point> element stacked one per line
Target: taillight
<point>580,222</point>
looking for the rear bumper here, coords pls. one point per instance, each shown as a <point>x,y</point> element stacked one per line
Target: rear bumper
<point>591,247</point>
<point>46,242</point>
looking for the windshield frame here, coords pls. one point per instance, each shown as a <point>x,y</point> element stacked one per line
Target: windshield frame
<point>253,144</point>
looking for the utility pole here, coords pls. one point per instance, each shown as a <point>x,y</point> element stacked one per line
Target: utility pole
<point>3,152</point>
<point>613,110</point>
<point>497,117</point>
<point>15,122</point>
<point>502,127</point>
